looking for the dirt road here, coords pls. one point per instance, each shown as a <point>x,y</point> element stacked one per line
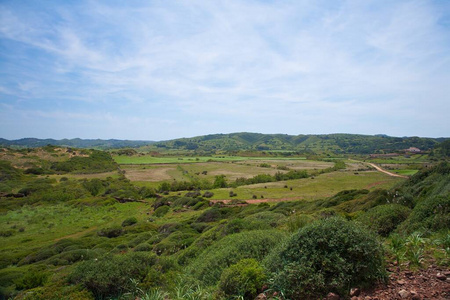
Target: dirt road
<point>386,172</point>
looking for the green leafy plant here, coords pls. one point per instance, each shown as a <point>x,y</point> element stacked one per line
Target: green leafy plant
<point>243,279</point>
<point>328,255</point>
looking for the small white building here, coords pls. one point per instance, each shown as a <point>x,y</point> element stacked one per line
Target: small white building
<point>413,150</point>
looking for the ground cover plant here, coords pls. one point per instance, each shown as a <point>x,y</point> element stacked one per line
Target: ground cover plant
<point>86,235</point>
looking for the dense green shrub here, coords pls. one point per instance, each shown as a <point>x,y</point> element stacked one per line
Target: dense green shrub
<point>31,279</point>
<point>161,211</point>
<point>342,196</point>
<point>209,265</point>
<point>328,255</point>
<point>110,276</point>
<point>110,232</point>
<point>243,279</point>
<point>431,213</point>
<point>143,247</point>
<point>129,221</point>
<point>383,219</point>
<point>214,214</point>
<point>96,162</point>
<point>8,172</point>
<point>208,194</point>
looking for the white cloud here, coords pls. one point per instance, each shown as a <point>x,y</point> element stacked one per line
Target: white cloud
<point>323,61</point>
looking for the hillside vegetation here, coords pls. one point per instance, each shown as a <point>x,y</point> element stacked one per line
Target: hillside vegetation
<point>76,224</point>
<point>246,141</point>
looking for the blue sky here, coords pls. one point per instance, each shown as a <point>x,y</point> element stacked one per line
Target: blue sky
<point>157,70</point>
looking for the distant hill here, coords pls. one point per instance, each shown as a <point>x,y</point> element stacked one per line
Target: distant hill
<point>337,143</point>
<point>76,143</point>
<point>247,141</point>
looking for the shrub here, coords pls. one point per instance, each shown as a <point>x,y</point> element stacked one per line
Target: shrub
<point>208,194</point>
<point>110,232</point>
<point>31,279</point>
<point>143,247</point>
<point>383,219</point>
<point>328,255</point>
<point>214,214</point>
<point>243,279</point>
<point>111,275</point>
<point>129,222</point>
<point>209,265</point>
<point>161,211</point>
<point>430,213</point>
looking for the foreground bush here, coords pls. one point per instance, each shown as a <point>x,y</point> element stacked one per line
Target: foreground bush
<point>331,255</point>
<point>383,219</point>
<point>110,276</point>
<point>231,249</point>
<point>243,279</point>
<point>432,213</point>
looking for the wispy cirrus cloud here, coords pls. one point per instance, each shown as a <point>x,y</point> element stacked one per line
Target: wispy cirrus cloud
<point>291,67</point>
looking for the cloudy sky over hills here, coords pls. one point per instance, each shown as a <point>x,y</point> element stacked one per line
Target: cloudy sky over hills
<point>157,70</point>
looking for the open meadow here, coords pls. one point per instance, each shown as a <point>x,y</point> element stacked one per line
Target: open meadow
<point>73,222</point>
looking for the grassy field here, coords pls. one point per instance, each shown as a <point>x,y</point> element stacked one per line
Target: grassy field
<point>44,225</point>
<point>407,172</point>
<point>321,186</point>
<point>208,170</point>
<point>148,159</point>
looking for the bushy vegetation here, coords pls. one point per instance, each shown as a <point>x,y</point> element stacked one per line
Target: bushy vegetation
<point>243,279</point>
<point>230,250</point>
<point>71,235</point>
<point>329,255</point>
<point>110,276</point>
<point>384,219</point>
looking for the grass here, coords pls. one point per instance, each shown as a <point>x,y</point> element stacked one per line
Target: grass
<point>321,186</point>
<point>208,170</point>
<point>148,159</point>
<point>45,224</point>
<point>407,172</point>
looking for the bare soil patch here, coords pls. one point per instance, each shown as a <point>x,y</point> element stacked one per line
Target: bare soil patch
<point>151,174</point>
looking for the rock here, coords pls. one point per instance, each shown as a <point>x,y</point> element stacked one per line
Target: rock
<point>332,296</point>
<point>261,296</point>
<point>355,292</point>
<point>415,296</point>
<point>404,294</point>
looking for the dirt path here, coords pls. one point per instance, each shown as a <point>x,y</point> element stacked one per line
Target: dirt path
<point>77,234</point>
<point>386,172</point>
<point>256,201</point>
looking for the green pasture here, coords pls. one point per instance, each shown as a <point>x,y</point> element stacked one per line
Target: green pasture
<point>155,174</point>
<point>401,159</point>
<point>321,186</point>
<point>43,225</point>
<point>407,172</point>
<point>148,159</point>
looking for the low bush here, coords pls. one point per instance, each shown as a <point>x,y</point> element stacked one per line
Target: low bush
<point>31,279</point>
<point>110,232</point>
<point>383,219</point>
<point>208,266</point>
<point>243,279</point>
<point>110,276</point>
<point>431,213</point>
<point>161,211</point>
<point>143,247</point>
<point>330,255</point>
<point>129,222</point>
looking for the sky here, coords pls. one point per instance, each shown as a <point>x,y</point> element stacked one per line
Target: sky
<point>159,70</point>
